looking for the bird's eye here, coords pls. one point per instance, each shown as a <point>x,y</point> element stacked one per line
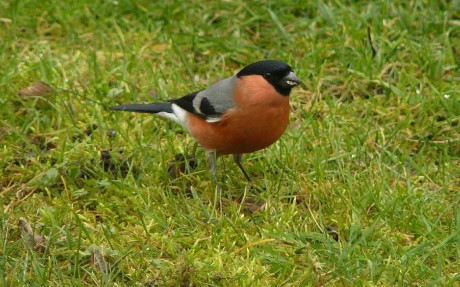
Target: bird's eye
<point>267,75</point>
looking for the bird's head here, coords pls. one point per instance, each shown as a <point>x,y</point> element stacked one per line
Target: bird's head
<point>279,74</point>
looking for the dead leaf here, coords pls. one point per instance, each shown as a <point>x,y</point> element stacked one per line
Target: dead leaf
<point>251,206</point>
<point>98,259</point>
<point>31,238</point>
<point>38,89</point>
<point>101,257</point>
<point>6,20</point>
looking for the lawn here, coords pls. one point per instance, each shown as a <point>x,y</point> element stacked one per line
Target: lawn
<point>363,189</point>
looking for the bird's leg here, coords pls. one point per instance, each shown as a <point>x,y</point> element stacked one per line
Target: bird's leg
<point>238,159</point>
<point>213,167</point>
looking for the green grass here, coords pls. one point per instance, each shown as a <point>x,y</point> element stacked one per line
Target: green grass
<point>373,149</point>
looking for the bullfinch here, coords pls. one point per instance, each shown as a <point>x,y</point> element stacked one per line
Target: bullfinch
<point>240,114</point>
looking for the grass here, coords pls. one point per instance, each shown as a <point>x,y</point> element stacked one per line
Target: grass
<point>373,150</point>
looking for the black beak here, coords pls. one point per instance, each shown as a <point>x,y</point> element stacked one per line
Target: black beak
<point>290,80</point>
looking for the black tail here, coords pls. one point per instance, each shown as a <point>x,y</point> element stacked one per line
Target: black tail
<point>145,108</point>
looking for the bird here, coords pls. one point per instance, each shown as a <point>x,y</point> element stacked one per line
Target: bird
<point>240,114</point>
